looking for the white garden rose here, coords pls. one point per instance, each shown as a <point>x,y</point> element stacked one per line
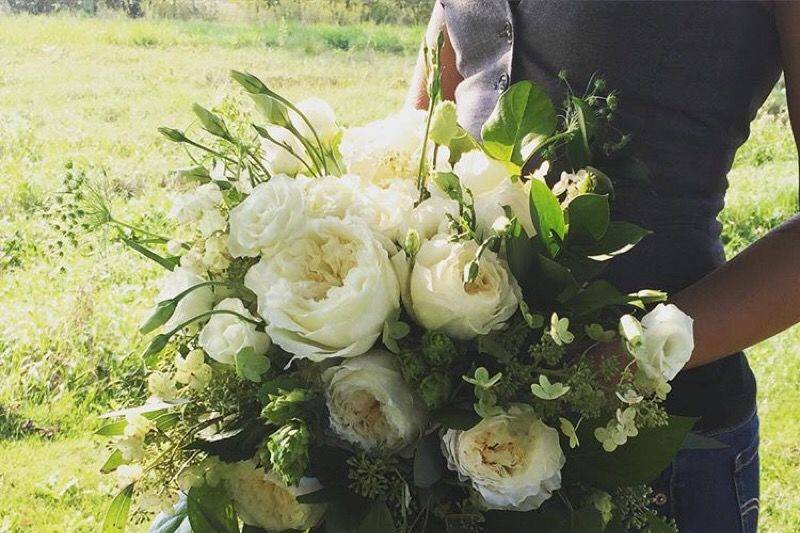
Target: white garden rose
<point>226,335</point>
<point>272,213</point>
<point>384,209</point>
<point>440,300</point>
<point>321,116</point>
<point>189,206</point>
<point>195,303</point>
<point>386,149</point>
<point>278,159</point>
<point>328,291</point>
<point>667,342</point>
<point>371,405</point>
<point>331,195</point>
<point>429,218</point>
<point>264,500</point>
<point>513,459</point>
<point>492,188</point>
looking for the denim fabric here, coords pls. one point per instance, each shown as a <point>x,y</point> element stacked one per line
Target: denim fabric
<point>714,490</point>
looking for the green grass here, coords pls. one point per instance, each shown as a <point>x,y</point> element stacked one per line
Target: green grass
<point>94,91</point>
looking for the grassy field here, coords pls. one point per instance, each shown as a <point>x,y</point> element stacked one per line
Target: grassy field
<point>94,91</point>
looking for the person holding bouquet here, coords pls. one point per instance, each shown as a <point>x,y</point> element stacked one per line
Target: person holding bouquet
<point>690,76</point>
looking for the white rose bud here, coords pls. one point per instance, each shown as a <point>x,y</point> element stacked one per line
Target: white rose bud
<point>667,343</point>
<point>501,225</point>
<point>321,116</point>
<point>430,217</point>
<point>264,500</point>
<point>440,300</point>
<point>492,188</point>
<point>278,159</point>
<point>371,405</point>
<point>273,213</point>
<point>226,335</point>
<point>327,292</point>
<point>195,303</point>
<point>513,459</point>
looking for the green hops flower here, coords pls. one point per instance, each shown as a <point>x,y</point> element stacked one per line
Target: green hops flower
<point>435,389</point>
<point>444,124</point>
<point>438,348</point>
<point>412,367</point>
<point>284,406</point>
<point>288,451</point>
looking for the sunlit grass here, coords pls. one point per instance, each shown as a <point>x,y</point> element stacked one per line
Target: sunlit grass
<point>94,91</point>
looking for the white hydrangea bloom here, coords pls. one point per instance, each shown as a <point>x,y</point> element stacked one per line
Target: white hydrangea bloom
<point>190,206</point>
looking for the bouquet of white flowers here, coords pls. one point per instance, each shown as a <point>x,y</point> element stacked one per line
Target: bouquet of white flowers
<point>393,328</point>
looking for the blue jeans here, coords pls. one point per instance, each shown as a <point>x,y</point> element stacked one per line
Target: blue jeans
<point>716,490</point>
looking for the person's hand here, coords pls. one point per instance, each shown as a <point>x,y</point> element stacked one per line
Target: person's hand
<point>609,361</point>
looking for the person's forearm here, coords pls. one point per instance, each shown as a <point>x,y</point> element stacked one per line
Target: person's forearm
<point>417,97</point>
<point>752,297</point>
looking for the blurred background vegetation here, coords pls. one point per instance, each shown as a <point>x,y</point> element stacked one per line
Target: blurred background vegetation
<point>304,11</point>
<point>91,81</point>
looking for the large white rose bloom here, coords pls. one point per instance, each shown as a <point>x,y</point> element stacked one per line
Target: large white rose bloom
<point>195,303</point>
<point>667,343</point>
<point>492,188</point>
<point>264,500</point>
<point>277,158</point>
<point>327,292</point>
<point>386,149</point>
<point>226,335</point>
<point>439,299</point>
<point>272,213</point>
<point>384,209</point>
<point>513,460</point>
<point>371,405</point>
<point>321,116</point>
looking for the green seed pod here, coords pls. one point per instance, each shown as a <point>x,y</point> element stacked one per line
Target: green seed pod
<point>438,349</point>
<point>413,367</point>
<point>435,390</point>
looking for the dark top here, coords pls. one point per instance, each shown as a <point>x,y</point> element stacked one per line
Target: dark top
<point>690,76</point>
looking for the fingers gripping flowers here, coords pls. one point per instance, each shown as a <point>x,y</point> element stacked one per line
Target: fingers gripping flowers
<point>301,247</point>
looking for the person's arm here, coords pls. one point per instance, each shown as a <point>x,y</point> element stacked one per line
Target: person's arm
<point>418,94</point>
<point>756,294</point>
